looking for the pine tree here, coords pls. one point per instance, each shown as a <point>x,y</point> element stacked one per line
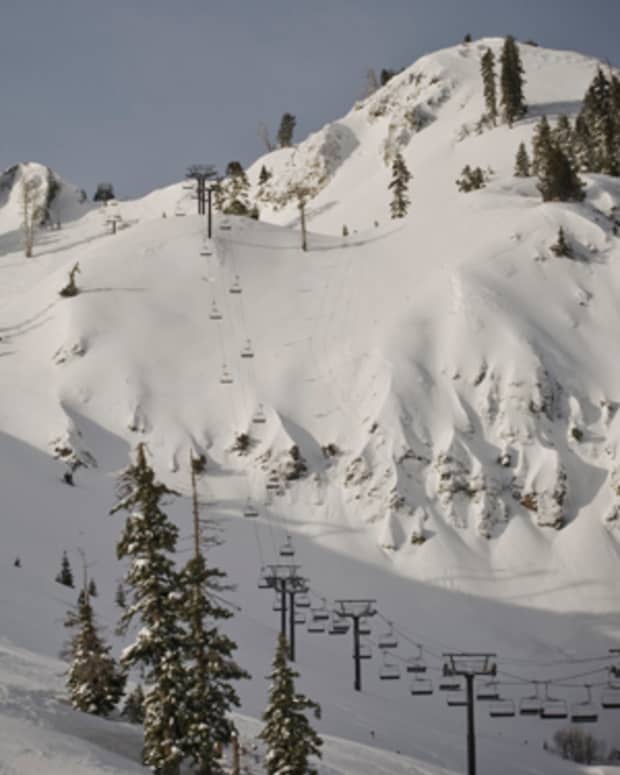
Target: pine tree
<point>94,681</point>
<point>149,542</point>
<point>511,81</point>
<point>487,68</point>
<point>286,129</point>
<point>557,179</point>
<point>522,162</point>
<point>236,190</point>
<point>399,186</point>
<point>65,575</point>
<point>561,246</point>
<point>133,709</point>
<point>264,175</point>
<point>210,694</point>
<point>541,145</point>
<point>601,114</point>
<point>290,739</point>
<point>562,136</point>
<point>471,179</point>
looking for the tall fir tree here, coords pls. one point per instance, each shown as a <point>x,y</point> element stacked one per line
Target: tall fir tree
<point>291,740</point>
<point>583,145</point>
<point>133,709</point>
<point>149,541</point>
<point>65,575</point>
<point>511,82</point>
<point>558,180</point>
<point>286,129</point>
<point>236,190</point>
<point>562,135</point>
<point>601,113</point>
<point>399,186</point>
<point>487,69</point>
<point>94,680</point>
<point>210,695</point>
<point>541,145</point>
<point>522,162</point>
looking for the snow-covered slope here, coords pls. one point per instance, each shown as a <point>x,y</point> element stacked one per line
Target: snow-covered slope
<point>439,396</point>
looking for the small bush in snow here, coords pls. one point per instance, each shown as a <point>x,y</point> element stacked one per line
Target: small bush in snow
<point>71,288</point>
<point>578,746</point>
<point>471,179</point>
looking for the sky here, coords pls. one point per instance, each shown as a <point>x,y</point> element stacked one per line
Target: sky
<point>133,91</point>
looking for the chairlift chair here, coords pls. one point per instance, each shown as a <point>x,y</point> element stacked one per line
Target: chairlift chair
<point>553,708</point>
<point>316,624</point>
<point>287,549</point>
<point>236,286</point>
<point>421,687</point>
<point>226,378</point>
<point>450,684</point>
<point>247,351</point>
<point>531,706</point>
<point>338,625</point>
<point>179,213</point>
<point>263,580</point>
<point>365,651</point>
<point>259,416</point>
<point>204,251</point>
<point>389,671</point>
<point>364,626</point>
<point>215,314</point>
<point>488,691</point>
<point>320,614</point>
<point>584,712</point>
<point>250,510</point>
<point>225,226</point>
<point>610,699</point>
<point>388,640</point>
<point>457,700</point>
<point>502,709</point>
<point>277,603</point>
<point>416,664</point>
<point>302,600</point>
<point>300,617</point>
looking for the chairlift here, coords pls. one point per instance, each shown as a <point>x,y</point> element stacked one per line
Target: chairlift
<point>388,640</point>
<point>179,213</point>
<point>300,617</point>
<point>531,706</point>
<point>389,671</point>
<point>365,651</point>
<point>364,626</point>
<point>338,625</point>
<point>204,251</point>
<point>188,186</point>
<point>502,709</point>
<point>553,708</point>
<point>416,664</point>
<point>259,415</point>
<point>225,226</point>
<point>302,600</point>
<point>457,700</point>
<point>264,581</point>
<point>488,691</point>
<point>226,378</point>
<point>215,314</point>
<point>250,510</point>
<point>450,684</point>
<point>610,699</point>
<point>236,286</point>
<point>584,712</point>
<point>277,603</point>
<point>247,351</point>
<point>421,687</point>
<point>315,625</point>
<point>320,614</point>
<point>287,549</point>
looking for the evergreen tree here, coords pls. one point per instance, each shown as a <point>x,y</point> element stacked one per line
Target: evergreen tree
<point>541,145</point>
<point>561,246</point>
<point>210,695</point>
<point>133,709</point>
<point>235,191</point>
<point>471,179</point>
<point>601,114</point>
<point>120,598</point>
<point>583,145</point>
<point>65,575</point>
<point>290,739</point>
<point>399,186</point>
<point>286,129</point>
<point>149,541</point>
<point>264,175</point>
<point>92,588</point>
<point>557,179</point>
<point>94,680</point>
<point>511,81</point>
<point>487,68</point>
<point>522,162</point>
<point>562,136</point>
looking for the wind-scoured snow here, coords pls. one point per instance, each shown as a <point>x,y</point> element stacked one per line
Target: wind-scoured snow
<point>440,399</point>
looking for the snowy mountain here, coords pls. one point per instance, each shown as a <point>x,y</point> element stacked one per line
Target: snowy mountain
<point>428,406</point>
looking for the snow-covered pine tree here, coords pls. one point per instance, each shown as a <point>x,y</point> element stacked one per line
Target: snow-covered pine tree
<point>471,179</point>
<point>562,135</point>
<point>208,652</point>
<point>94,680</point>
<point>560,247</point>
<point>236,190</point>
<point>65,575</point>
<point>557,179</point>
<point>600,112</point>
<point>290,738</point>
<point>541,144</point>
<point>522,162</point>
<point>583,145</point>
<point>511,82</point>
<point>286,129</point>
<point>133,709</point>
<point>263,175</point>
<point>149,541</point>
<point>487,69</point>
<point>399,185</point>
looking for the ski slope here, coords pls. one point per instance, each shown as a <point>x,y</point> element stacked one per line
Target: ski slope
<point>430,373</point>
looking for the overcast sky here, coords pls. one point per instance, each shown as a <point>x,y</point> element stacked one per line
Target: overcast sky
<point>131,91</point>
